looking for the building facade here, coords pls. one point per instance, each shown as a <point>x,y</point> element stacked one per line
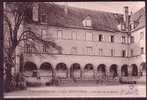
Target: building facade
<point>93,43</point>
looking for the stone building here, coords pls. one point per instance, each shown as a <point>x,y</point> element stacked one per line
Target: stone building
<point>92,42</point>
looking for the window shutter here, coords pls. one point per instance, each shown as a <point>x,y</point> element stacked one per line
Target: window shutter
<point>35,13</point>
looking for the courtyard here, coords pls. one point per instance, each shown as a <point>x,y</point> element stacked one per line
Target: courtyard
<point>125,90</point>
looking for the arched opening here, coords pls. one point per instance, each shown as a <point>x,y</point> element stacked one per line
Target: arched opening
<point>143,68</point>
<point>101,72</point>
<point>46,69</point>
<point>124,70</point>
<point>46,66</point>
<point>113,70</point>
<point>61,70</point>
<point>30,69</point>
<point>88,67</point>
<point>75,70</point>
<point>30,66</point>
<point>101,68</point>
<point>134,70</point>
<point>88,71</point>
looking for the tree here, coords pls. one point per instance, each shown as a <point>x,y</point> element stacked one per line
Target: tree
<point>13,38</point>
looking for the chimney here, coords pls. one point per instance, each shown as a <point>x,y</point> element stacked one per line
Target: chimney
<point>126,17</point>
<point>66,8</point>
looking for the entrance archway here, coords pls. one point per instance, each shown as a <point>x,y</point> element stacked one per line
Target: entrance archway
<point>124,70</point>
<point>113,70</point>
<point>102,68</point>
<point>134,70</point>
<point>46,66</point>
<point>46,69</point>
<point>143,68</point>
<point>88,67</point>
<point>61,70</point>
<point>30,66</point>
<point>88,71</point>
<point>75,70</point>
<point>30,69</point>
<point>101,72</point>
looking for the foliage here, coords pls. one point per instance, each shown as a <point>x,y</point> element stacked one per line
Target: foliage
<point>18,11</point>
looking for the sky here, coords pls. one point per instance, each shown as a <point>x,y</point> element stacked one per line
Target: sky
<point>116,7</point>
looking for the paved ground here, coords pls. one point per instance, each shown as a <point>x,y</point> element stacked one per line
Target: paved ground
<point>81,89</point>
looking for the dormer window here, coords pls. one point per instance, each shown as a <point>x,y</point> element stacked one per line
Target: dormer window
<point>87,22</point>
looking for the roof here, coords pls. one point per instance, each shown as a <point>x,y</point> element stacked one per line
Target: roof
<point>104,21</point>
<point>139,17</point>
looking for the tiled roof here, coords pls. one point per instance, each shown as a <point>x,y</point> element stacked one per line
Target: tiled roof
<point>100,20</point>
<point>139,17</point>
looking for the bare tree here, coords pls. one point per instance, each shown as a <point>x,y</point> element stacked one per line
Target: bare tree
<point>18,10</point>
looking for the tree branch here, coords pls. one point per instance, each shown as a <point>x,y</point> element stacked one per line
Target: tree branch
<point>9,25</point>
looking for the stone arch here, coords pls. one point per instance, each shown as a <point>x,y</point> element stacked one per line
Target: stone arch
<point>75,70</point>
<point>46,69</point>
<point>46,66</point>
<point>101,72</point>
<point>30,69</point>
<point>29,66</point>
<point>143,68</point>
<point>89,67</point>
<point>113,70</point>
<point>102,68</point>
<point>88,71</point>
<point>134,71</point>
<point>61,70</point>
<point>61,66</point>
<point>124,70</point>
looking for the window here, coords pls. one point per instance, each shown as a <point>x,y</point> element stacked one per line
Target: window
<point>122,26</point>
<point>87,22</point>
<point>28,48</point>
<point>123,53</point>
<point>100,51</point>
<point>131,53</point>
<point>74,35</point>
<point>60,34</point>
<point>123,39</point>
<point>43,19</point>
<point>43,16</point>
<point>100,37</point>
<point>74,50</point>
<point>112,38</point>
<point>89,36</point>
<point>141,35</point>
<point>35,13</point>
<point>131,26</point>
<point>89,50</point>
<point>132,39</point>
<point>112,52</point>
<point>142,50</point>
<point>43,34</point>
<point>44,48</point>
<point>135,24</point>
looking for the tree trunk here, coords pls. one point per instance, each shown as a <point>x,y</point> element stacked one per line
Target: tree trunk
<point>8,66</point>
<point>8,77</point>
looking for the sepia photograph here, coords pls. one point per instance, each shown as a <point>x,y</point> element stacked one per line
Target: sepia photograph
<point>74,49</point>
